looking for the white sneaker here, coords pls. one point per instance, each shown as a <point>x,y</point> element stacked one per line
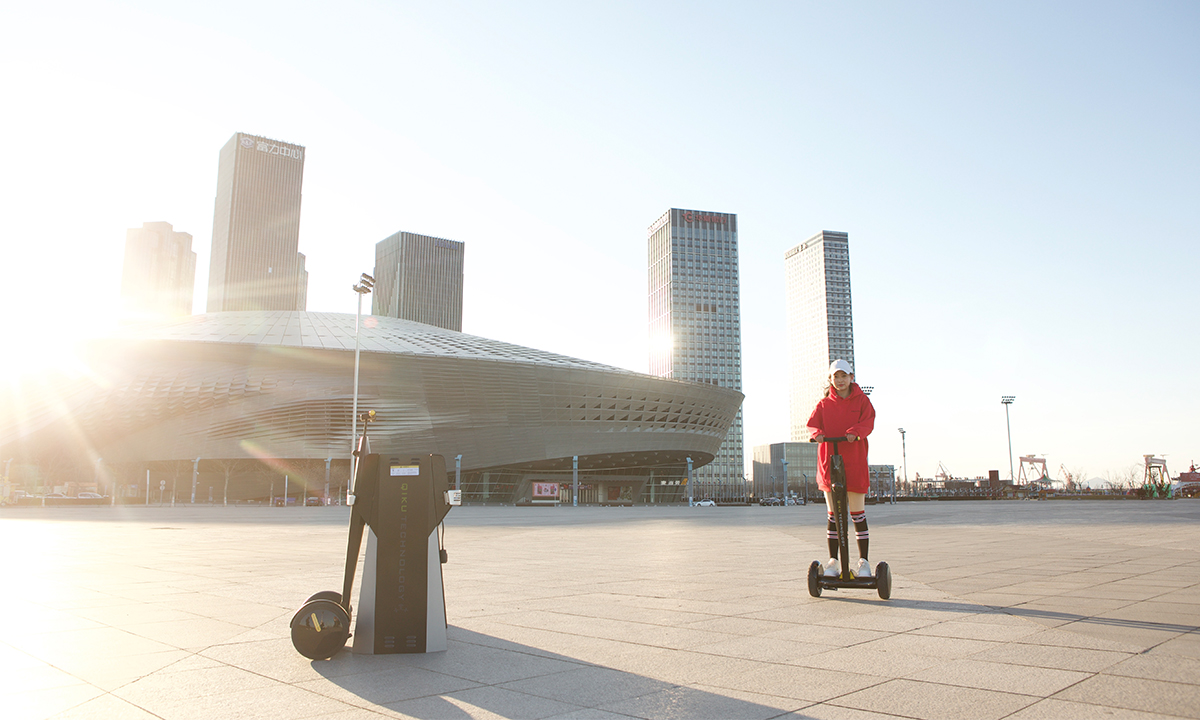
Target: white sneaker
<point>832,567</point>
<point>863,569</point>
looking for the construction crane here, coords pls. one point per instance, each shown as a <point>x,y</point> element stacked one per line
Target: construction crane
<point>943,474</point>
<point>1158,479</point>
<point>1037,471</point>
<point>1070,479</point>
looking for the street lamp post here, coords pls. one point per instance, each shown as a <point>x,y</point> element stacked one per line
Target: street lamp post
<point>365,283</point>
<point>1007,400</point>
<point>785,487</point>
<point>690,485</point>
<point>904,456</point>
<point>804,496</point>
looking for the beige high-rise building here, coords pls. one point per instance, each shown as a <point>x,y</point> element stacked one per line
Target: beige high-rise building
<point>419,278</point>
<point>820,327</point>
<point>256,263</point>
<point>159,273</point>
<point>696,325</point>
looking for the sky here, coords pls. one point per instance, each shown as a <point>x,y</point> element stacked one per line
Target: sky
<point>1019,182</point>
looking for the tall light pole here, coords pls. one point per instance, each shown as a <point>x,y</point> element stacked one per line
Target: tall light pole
<point>365,283</point>
<point>785,488</point>
<point>904,456</point>
<point>1007,400</point>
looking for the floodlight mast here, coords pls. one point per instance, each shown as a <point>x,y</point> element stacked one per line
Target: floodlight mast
<point>1007,400</point>
<point>365,283</point>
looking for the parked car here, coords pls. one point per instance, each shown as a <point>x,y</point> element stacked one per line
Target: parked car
<point>314,501</point>
<point>90,496</point>
<point>706,503</point>
<point>768,501</point>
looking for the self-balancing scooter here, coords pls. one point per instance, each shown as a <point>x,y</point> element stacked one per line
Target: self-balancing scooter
<point>321,626</point>
<point>817,580</point>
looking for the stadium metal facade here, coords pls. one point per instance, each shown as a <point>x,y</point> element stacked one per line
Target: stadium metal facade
<point>278,385</point>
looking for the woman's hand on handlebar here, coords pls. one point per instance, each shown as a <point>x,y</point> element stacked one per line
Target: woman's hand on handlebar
<point>819,437</point>
<point>851,438</point>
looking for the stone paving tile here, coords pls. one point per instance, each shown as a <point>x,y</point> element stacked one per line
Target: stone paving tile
<point>1185,645</point>
<point>267,703</point>
<point>794,681</point>
<point>782,704</point>
<point>588,686</point>
<point>1059,637</point>
<point>932,645</point>
<point>1157,613</point>
<point>1019,679</point>
<point>485,665</point>
<point>829,635</point>
<point>35,675</point>
<point>482,703</point>
<point>1189,596</point>
<point>932,701</point>
<point>688,703</point>
<point>825,711</point>
<point>1063,710</point>
<point>383,687</point>
<point>1138,635</point>
<point>742,626</point>
<point>1053,656</point>
<point>681,667</point>
<point>112,672</point>
<point>104,707</point>
<point>196,632</point>
<point>884,663</point>
<point>43,703</point>
<point>1136,694</point>
<point>132,612</point>
<point>1160,666</point>
<point>190,683</point>
<point>762,649</point>
<point>360,714</point>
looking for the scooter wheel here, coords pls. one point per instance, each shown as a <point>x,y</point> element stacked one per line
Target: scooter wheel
<point>883,576</point>
<point>320,629</point>
<point>333,595</point>
<point>814,578</point>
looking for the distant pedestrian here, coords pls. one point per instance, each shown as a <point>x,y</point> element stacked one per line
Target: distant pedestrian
<point>845,411</point>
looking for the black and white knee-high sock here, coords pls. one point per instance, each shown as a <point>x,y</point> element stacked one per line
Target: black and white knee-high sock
<point>860,531</point>
<point>833,538</point>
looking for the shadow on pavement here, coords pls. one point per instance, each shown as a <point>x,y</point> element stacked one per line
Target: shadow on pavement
<point>1027,612</point>
<point>508,679</point>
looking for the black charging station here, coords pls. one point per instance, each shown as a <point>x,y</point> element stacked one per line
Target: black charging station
<point>402,604</point>
<point>401,503</point>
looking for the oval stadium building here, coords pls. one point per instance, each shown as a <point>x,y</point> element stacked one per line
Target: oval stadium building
<point>515,424</point>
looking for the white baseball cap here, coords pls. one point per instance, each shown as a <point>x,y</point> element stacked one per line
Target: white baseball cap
<point>840,365</point>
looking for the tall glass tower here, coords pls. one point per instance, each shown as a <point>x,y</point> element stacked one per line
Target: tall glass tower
<point>256,263</point>
<point>696,325</point>
<point>820,327</point>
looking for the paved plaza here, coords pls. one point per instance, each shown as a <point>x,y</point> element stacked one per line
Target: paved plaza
<point>999,610</point>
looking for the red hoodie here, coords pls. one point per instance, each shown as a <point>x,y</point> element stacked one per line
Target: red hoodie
<point>835,416</point>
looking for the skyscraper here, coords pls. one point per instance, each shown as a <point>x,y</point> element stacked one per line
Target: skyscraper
<point>695,321</point>
<point>419,278</point>
<point>159,273</point>
<point>256,263</point>
<point>820,327</point>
